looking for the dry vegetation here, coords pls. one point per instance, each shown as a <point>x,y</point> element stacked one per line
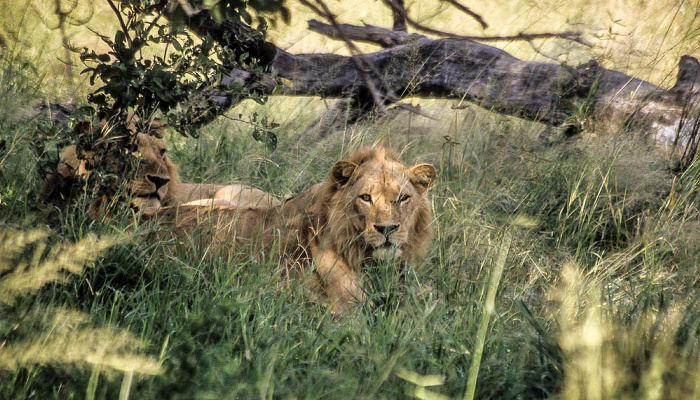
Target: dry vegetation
<point>598,239</point>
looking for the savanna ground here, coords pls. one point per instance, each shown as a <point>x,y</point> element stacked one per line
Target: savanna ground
<point>597,237</point>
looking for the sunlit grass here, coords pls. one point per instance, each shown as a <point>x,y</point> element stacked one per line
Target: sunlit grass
<point>611,354</point>
<point>26,276</point>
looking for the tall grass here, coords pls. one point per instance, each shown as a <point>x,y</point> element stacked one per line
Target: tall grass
<point>598,296</point>
<point>38,334</point>
<point>222,326</point>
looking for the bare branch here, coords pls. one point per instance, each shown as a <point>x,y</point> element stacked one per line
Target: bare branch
<point>469,12</point>
<point>388,38</point>
<point>399,20</point>
<point>368,33</point>
<point>361,61</point>
<point>122,24</point>
<point>363,66</point>
<point>461,68</point>
<point>573,36</point>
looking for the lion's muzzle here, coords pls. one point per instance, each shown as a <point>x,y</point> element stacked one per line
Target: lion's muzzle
<point>384,239</point>
<point>158,181</point>
<point>386,229</point>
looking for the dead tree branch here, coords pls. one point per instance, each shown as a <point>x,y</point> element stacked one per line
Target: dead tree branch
<point>399,20</point>
<point>368,33</point>
<point>567,35</point>
<point>473,72</point>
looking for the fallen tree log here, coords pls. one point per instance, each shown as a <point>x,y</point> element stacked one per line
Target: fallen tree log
<point>469,71</point>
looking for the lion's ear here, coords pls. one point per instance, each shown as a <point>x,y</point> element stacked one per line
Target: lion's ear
<point>423,176</point>
<point>342,171</point>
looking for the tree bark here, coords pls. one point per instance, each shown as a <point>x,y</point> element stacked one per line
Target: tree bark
<point>368,33</point>
<point>399,20</point>
<point>468,71</point>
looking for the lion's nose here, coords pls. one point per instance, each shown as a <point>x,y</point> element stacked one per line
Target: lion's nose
<point>387,229</point>
<point>159,181</point>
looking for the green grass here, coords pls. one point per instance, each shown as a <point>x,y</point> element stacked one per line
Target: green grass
<point>598,296</point>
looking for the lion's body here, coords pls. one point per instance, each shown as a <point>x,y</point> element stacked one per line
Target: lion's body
<point>234,195</point>
<point>370,207</point>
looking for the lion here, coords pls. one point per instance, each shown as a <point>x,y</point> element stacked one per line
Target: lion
<point>370,207</point>
<point>156,182</point>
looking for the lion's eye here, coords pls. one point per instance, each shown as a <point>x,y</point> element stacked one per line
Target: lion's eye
<point>162,152</point>
<point>366,197</point>
<point>403,198</point>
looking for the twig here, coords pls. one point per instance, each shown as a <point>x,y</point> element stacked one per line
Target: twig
<point>568,35</point>
<point>368,33</point>
<point>362,63</point>
<point>469,12</point>
<point>399,20</point>
<point>357,56</point>
<point>121,20</point>
<point>152,24</point>
<point>416,110</point>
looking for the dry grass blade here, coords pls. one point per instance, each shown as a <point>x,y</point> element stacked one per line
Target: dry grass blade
<point>488,310</point>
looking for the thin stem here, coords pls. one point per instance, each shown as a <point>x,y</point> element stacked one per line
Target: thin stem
<point>121,20</point>
<point>486,316</point>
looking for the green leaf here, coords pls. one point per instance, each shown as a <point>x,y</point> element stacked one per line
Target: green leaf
<point>267,137</point>
<point>245,16</point>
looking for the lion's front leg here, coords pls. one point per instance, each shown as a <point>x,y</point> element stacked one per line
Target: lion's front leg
<point>341,284</point>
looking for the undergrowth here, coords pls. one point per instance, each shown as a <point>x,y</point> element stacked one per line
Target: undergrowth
<point>598,296</point>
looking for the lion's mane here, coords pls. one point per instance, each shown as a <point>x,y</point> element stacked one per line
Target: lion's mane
<point>371,206</point>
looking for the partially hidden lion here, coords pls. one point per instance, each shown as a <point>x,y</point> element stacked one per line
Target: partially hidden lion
<point>370,207</point>
<point>156,182</point>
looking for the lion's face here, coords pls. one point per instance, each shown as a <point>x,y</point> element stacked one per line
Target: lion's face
<point>381,200</point>
<point>150,183</point>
